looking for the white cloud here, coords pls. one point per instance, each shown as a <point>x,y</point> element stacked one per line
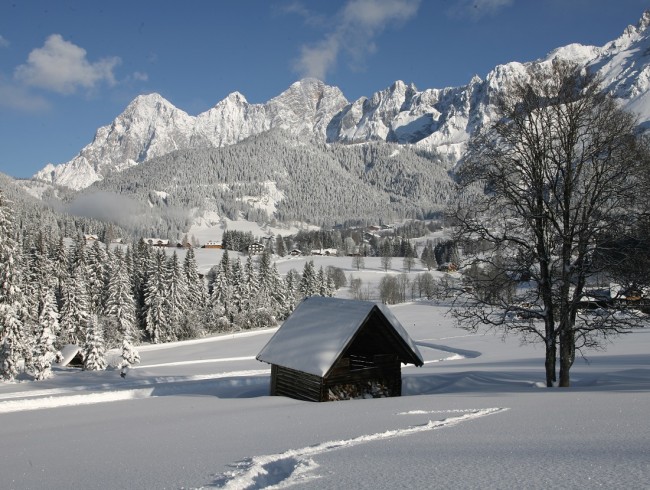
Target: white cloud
<point>61,66</point>
<point>4,43</point>
<point>309,17</point>
<point>358,24</point>
<point>478,8</point>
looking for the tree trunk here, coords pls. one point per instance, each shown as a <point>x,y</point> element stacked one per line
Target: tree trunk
<point>567,355</point>
<point>551,354</point>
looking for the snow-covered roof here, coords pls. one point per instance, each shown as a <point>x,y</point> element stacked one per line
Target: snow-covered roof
<point>68,353</point>
<point>320,329</point>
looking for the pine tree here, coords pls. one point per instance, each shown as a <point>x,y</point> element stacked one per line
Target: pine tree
<point>250,287</point>
<point>308,284</point>
<point>97,260</point>
<point>94,348</point>
<point>291,281</point>
<point>78,255</point>
<point>141,263</point>
<point>154,299</point>
<point>282,305</point>
<point>195,286</point>
<point>12,349</point>
<point>48,324</point>
<point>120,305</point>
<point>60,270</point>
<point>221,303</point>
<point>428,256</point>
<point>130,356</point>
<point>264,281</point>
<point>238,289</point>
<point>13,304</point>
<point>75,309</point>
<point>280,247</point>
<point>176,296</point>
<point>321,280</point>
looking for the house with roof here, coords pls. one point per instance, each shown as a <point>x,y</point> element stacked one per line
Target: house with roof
<point>335,349</point>
<point>157,242</point>
<point>256,248</point>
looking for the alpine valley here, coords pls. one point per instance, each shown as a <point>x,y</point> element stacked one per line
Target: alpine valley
<point>309,154</point>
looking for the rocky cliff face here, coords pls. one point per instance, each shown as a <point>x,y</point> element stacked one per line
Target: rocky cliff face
<point>441,119</point>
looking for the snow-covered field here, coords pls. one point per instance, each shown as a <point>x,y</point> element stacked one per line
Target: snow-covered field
<point>197,414</point>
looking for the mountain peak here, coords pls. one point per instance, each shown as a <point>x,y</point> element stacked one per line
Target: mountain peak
<point>236,98</point>
<point>641,26</point>
<point>148,100</point>
<point>308,82</point>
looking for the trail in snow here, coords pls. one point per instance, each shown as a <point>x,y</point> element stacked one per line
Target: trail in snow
<point>198,361</point>
<point>160,386</point>
<point>296,465</point>
<point>464,353</point>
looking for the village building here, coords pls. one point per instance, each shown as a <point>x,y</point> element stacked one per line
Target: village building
<point>157,242</point>
<point>212,244</point>
<point>335,349</point>
<point>325,251</point>
<point>255,248</point>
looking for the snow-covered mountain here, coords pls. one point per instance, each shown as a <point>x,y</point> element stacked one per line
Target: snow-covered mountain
<point>440,119</point>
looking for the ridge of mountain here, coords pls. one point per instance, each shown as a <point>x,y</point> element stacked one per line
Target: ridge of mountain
<point>435,119</point>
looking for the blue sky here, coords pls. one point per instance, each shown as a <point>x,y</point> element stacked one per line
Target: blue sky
<point>68,67</point>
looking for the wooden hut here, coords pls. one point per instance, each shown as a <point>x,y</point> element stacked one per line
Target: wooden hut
<point>334,349</point>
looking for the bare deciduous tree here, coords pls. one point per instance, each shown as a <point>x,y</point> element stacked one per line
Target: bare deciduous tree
<point>560,166</point>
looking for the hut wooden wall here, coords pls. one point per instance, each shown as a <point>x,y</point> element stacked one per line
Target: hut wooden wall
<point>353,375</point>
<point>295,384</point>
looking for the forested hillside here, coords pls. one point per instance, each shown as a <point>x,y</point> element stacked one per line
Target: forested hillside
<point>317,184</point>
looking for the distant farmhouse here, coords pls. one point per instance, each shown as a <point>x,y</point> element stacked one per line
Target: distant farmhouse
<point>157,242</point>
<point>336,349</point>
<point>324,251</point>
<point>256,248</point>
<point>212,244</point>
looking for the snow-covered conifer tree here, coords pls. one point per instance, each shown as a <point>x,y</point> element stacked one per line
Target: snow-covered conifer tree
<point>141,264</point>
<point>282,303</point>
<point>97,261</point>
<point>321,281</point>
<point>176,296</point>
<point>60,269</point>
<point>195,285</point>
<point>48,324</point>
<point>75,308</point>
<point>221,300</point>
<point>13,346</point>
<point>94,348</point>
<point>154,299</point>
<point>13,310</point>
<point>130,355</point>
<point>120,305</point>
<point>264,294</point>
<point>308,284</point>
<point>250,287</point>
<point>291,281</point>
<point>238,286</point>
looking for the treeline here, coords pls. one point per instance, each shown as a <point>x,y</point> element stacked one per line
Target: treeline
<point>54,293</point>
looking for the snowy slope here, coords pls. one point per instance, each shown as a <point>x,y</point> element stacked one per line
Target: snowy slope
<point>196,414</point>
